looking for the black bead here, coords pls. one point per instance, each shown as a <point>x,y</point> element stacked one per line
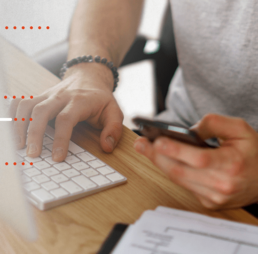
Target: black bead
<point>110,65</point>
<point>114,69</point>
<point>104,60</point>
<point>90,59</point>
<point>97,59</point>
<point>84,59</point>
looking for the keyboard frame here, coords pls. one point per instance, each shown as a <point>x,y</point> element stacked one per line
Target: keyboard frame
<point>50,132</point>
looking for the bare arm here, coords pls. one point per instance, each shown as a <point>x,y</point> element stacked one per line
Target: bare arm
<point>99,27</point>
<point>104,27</point>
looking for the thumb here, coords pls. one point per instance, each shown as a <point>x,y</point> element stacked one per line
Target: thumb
<point>223,127</point>
<point>112,119</point>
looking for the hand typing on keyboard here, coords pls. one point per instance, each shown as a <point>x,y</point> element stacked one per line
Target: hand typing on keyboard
<point>49,183</point>
<point>84,94</point>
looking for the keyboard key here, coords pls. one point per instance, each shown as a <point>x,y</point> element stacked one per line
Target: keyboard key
<point>96,164</point>
<point>71,172</point>
<point>73,148</point>
<point>42,195</point>
<point>80,165</point>
<point>71,159</point>
<point>31,172</point>
<point>100,180</point>
<point>31,186</point>
<point>62,166</point>
<point>25,179</point>
<point>22,152</point>
<point>47,141</point>
<point>45,153</point>
<point>40,179</point>
<point>89,172</point>
<point>115,177</point>
<point>41,165</point>
<point>26,165</point>
<point>68,154</point>
<point>50,161</point>
<point>59,178</point>
<point>71,187</point>
<point>50,171</point>
<point>86,156</point>
<point>49,185</point>
<point>84,182</point>
<point>49,147</point>
<point>105,170</point>
<point>29,159</point>
<point>58,193</point>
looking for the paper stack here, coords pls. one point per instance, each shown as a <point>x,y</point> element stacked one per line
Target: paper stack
<point>171,231</point>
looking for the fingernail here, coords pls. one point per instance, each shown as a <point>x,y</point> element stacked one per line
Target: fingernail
<point>58,152</point>
<point>139,147</point>
<point>111,141</point>
<point>161,145</point>
<point>32,148</point>
<point>195,125</point>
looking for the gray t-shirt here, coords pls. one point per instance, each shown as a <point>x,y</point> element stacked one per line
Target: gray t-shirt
<point>217,45</point>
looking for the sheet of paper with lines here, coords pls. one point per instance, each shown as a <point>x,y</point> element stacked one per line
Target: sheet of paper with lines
<point>171,231</point>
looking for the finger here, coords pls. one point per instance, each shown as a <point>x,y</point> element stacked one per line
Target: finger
<point>41,114</point>
<point>65,121</point>
<point>194,156</point>
<point>23,115</point>
<point>143,146</point>
<point>112,120</point>
<point>222,127</point>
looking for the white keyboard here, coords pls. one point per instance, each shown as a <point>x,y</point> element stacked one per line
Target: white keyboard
<point>49,183</point>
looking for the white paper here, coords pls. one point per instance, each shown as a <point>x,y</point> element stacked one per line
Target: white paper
<point>171,231</point>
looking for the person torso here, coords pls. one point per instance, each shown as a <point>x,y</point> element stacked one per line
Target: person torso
<point>217,46</point>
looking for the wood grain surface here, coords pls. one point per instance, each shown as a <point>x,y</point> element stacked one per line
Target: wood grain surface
<point>81,226</point>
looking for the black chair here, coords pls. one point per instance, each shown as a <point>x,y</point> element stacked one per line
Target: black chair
<point>165,58</point>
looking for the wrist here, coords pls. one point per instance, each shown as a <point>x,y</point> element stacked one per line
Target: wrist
<point>91,75</point>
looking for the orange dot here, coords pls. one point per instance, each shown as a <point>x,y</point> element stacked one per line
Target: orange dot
<point>15,119</point>
<point>23,163</point>
<point>39,27</point>
<point>6,27</point>
<point>5,97</point>
<point>23,119</point>
<point>31,163</point>
<point>22,97</point>
<point>31,97</point>
<point>23,27</point>
<point>31,27</point>
<point>14,97</point>
<point>47,27</point>
<point>30,119</point>
<point>14,27</point>
<point>6,163</point>
<point>14,163</point>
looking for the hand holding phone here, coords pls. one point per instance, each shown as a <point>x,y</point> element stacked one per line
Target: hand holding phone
<point>153,129</point>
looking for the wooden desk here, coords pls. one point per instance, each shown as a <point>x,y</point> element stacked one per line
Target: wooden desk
<point>81,226</point>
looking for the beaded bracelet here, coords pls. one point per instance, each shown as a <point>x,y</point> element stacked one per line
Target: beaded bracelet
<point>89,59</point>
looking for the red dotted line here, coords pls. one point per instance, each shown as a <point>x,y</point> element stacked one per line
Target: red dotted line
<point>23,119</point>
<point>23,27</point>
<point>23,163</point>
<point>14,97</point>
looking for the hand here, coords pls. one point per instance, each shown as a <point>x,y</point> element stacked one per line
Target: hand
<point>225,177</point>
<point>84,94</point>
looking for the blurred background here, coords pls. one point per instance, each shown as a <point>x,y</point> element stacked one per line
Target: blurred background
<point>146,71</point>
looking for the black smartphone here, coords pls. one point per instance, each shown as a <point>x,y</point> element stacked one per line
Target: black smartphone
<point>153,129</point>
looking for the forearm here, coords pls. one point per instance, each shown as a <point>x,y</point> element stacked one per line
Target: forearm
<point>104,27</point>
